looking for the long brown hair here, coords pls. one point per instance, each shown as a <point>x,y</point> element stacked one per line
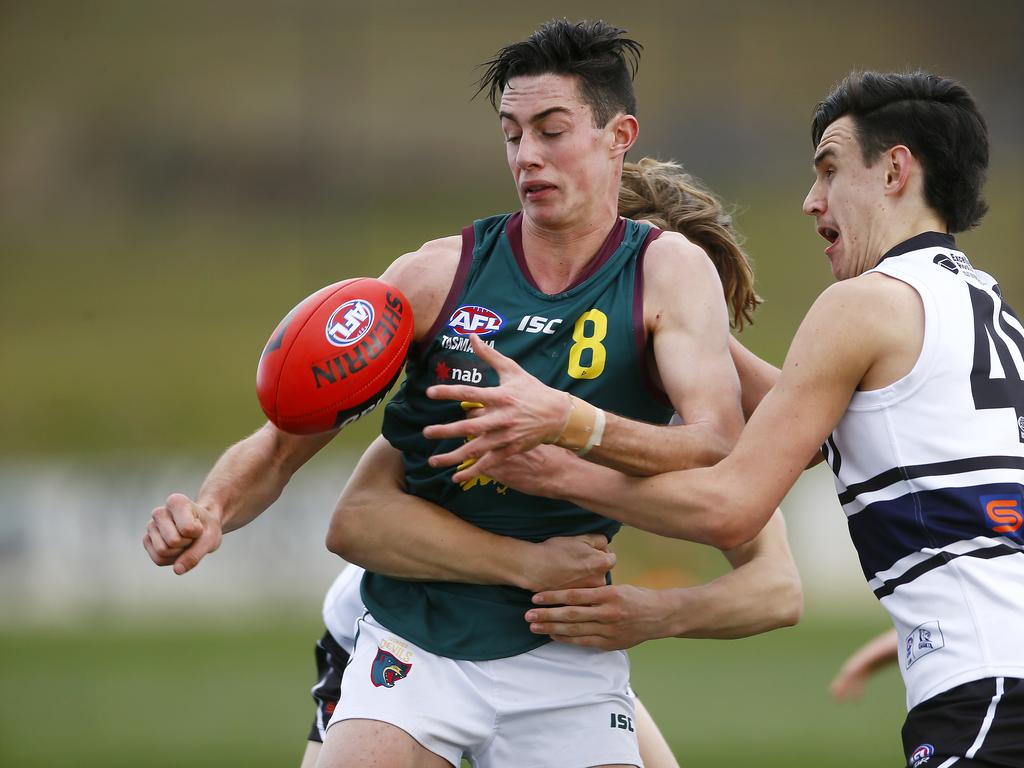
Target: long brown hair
<point>670,198</point>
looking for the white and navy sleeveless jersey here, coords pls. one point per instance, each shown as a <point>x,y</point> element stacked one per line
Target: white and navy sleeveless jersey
<point>930,473</point>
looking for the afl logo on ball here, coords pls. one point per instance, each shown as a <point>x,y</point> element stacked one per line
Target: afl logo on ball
<point>350,322</point>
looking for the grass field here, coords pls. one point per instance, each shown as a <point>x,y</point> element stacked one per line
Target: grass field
<point>115,694</point>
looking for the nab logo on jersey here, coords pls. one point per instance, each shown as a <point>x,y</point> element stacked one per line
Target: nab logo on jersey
<point>350,322</point>
<point>473,319</point>
<point>1003,514</point>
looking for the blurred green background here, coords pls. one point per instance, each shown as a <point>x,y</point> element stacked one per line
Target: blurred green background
<point>175,176</point>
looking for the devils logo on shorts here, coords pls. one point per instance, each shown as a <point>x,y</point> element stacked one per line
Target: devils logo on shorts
<point>388,669</point>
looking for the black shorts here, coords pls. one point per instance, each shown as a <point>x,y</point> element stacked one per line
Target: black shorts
<point>976,724</point>
<point>330,666</point>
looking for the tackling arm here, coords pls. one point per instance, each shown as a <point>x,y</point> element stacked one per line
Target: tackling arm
<point>437,545</point>
<point>761,593</point>
<point>726,505</point>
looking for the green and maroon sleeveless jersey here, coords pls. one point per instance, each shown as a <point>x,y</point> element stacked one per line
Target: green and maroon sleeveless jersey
<point>588,340</point>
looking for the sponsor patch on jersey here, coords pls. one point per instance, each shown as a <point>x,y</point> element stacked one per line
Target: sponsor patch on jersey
<point>472,318</point>
<point>449,372</point>
<point>461,343</point>
<point>392,663</point>
<point>944,261</point>
<point>350,322</point>
<point>921,755</point>
<point>538,324</point>
<point>1003,513</point>
<point>924,639</point>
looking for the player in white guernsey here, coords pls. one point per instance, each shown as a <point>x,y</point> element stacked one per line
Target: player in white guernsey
<point>909,370</point>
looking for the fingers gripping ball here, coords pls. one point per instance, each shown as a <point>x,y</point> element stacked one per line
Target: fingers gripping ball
<point>335,356</point>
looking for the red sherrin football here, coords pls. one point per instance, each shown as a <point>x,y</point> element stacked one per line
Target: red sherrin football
<point>335,356</point>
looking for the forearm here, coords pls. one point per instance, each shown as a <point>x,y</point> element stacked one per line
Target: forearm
<point>741,603</point>
<point>433,544</point>
<point>641,449</point>
<point>251,474</point>
<point>678,505</point>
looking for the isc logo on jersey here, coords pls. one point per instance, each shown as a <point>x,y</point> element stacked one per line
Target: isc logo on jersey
<point>350,322</point>
<point>473,319</point>
<point>538,324</point>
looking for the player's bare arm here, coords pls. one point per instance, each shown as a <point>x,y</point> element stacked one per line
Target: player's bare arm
<point>437,545</point>
<point>244,482</point>
<point>761,593</point>
<point>876,654</point>
<point>251,474</point>
<point>686,319</point>
<point>757,376</point>
<point>865,332</point>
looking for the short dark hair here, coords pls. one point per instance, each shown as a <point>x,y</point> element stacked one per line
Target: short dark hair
<point>935,117</point>
<point>596,53</point>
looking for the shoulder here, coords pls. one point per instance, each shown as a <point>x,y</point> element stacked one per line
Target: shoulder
<point>873,300</point>
<point>870,323</point>
<point>425,277</point>
<point>679,277</point>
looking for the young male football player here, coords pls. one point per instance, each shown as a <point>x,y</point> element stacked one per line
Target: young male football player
<point>593,304</point>
<point>910,369</point>
<point>760,594</point>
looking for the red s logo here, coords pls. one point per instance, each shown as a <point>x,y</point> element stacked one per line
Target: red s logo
<point>1004,515</point>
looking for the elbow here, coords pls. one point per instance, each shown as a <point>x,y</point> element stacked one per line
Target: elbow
<point>342,533</point>
<point>732,526</point>
<point>790,602</point>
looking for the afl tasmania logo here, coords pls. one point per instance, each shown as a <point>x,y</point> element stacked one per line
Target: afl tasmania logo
<point>473,319</point>
<point>350,322</point>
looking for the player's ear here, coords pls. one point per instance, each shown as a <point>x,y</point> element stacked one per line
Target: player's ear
<point>624,130</point>
<point>898,162</point>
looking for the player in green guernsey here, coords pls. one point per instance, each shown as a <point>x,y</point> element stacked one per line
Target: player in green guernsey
<point>587,339</point>
<point>567,114</point>
<point>565,102</point>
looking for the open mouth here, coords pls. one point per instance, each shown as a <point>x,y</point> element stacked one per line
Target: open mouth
<point>534,189</point>
<point>829,234</point>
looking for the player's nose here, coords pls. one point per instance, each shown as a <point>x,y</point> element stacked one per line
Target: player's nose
<point>528,154</point>
<point>814,203</point>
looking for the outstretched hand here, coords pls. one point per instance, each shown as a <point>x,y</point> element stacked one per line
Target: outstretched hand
<point>181,533</point>
<point>517,415</point>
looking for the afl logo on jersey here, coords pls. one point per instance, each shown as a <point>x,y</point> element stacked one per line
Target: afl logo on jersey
<point>350,322</point>
<point>473,319</point>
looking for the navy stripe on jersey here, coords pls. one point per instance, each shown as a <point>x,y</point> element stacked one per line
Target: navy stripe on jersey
<point>919,243</point>
<point>915,471</point>
<point>942,558</point>
<point>887,531</point>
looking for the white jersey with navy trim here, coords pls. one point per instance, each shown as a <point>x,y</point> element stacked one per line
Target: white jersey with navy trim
<point>930,473</point>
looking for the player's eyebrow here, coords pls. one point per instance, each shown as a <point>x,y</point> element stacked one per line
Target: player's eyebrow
<point>537,117</point>
<point>825,154</point>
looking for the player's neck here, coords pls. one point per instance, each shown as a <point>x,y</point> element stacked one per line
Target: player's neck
<point>557,257</point>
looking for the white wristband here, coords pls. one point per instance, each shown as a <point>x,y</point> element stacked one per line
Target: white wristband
<point>595,435</point>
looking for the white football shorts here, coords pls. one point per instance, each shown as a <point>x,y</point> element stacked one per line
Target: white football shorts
<point>558,706</point>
